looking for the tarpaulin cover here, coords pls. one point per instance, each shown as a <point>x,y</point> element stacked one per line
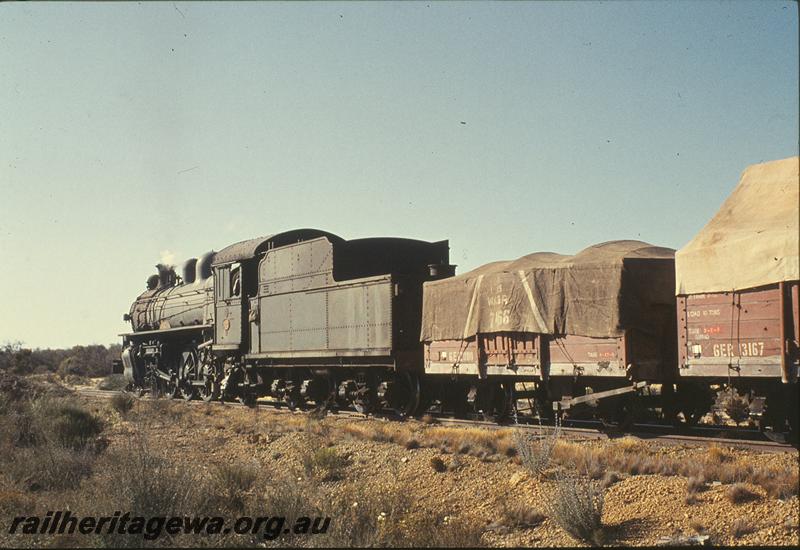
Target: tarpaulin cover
<point>754,238</point>
<point>600,292</point>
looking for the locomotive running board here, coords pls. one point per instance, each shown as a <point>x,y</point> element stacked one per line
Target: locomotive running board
<point>565,404</point>
<point>165,330</point>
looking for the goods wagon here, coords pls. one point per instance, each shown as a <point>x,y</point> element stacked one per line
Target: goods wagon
<point>550,328</point>
<point>737,298</point>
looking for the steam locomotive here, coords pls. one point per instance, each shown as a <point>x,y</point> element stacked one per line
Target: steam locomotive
<point>383,324</point>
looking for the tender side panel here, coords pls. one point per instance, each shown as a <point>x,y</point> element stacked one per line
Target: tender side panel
<point>347,319</point>
<point>736,333</point>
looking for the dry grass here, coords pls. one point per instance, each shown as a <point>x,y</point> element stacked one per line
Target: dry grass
<point>230,483</point>
<point>389,519</point>
<point>715,455</point>
<point>636,459</point>
<point>122,403</point>
<point>113,382</point>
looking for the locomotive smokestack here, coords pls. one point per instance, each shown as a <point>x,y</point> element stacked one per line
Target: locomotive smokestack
<point>203,271</point>
<point>188,272</point>
<point>166,275</point>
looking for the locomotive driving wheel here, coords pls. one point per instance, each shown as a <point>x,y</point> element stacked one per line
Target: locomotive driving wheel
<point>161,387</point>
<point>189,372</point>
<point>211,388</point>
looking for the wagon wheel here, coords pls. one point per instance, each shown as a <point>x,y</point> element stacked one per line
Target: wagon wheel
<point>455,400</point>
<point>496,402</point>
<point>628,412</point>
<point>188,373</point>
<point>695,401</point>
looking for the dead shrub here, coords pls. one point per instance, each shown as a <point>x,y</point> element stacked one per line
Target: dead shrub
<point>742,527</point>
<point>412,444</point>
<point>438,464</point>
<point>698,527</point>
<point>536,452</point>
<point>695,485</point>
<point>520,516</point>
<point>576,505</point>
<point>739,493</point>
<point>715,455</point>
<point>609,479</point>
<point>782,484</point>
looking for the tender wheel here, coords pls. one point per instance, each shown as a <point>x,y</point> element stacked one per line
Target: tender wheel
<point>401,394</point>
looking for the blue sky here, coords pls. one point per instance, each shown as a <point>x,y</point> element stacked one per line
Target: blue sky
<point>128,130</point>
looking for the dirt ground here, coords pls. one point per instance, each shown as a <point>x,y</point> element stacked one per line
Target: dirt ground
<point>469,474</point>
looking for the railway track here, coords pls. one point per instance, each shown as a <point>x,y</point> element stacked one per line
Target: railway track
<point>571,429</point>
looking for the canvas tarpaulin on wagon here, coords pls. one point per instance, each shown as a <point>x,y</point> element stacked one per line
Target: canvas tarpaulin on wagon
<point>598,292</point>
<point>754,238</point>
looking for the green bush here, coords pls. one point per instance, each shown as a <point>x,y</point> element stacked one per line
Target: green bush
<point>325,464</point>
